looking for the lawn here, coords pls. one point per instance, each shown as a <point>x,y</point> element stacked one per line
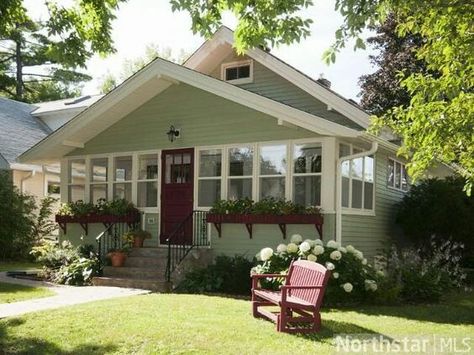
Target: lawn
<point>13,266</point>
<point>14,293</point>
<point>182,324</point>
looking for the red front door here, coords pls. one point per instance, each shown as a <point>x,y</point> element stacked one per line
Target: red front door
<point>176,191</point>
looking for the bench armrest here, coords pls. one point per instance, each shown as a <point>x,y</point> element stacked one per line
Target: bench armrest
<point>256,277</point>
<point>305,287</point>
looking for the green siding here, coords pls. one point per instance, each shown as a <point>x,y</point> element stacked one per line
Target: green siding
<point>269,84</point>
<point>204,119</point>
<point>372,234</point>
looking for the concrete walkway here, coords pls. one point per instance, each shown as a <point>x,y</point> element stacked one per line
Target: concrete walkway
<point>65,296</point>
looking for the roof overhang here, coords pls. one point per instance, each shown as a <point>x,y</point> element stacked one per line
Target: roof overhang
<point>149,82</point>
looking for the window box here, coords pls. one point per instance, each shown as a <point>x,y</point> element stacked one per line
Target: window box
<point>250,219</point>
<point>130,219</point>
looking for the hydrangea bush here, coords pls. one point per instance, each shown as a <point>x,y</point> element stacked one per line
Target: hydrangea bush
<point>352,278</point>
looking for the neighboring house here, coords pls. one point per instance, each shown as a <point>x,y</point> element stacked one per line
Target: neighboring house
<point>249,126</point>
<point>21,127</point>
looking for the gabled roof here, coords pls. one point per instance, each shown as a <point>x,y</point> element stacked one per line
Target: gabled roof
<point>214,50</point>
<point>147,83</point>
<point>19,130</point>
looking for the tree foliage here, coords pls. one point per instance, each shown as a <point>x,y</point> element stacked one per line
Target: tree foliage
<point>39,58</point>
<point>438,123</point>
<point>396,58</point>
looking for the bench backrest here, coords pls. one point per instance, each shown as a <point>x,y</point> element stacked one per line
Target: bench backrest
<point>308,273</point>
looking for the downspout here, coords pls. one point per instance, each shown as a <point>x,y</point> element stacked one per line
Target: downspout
<point>371,151</point>
<point>29,176</point>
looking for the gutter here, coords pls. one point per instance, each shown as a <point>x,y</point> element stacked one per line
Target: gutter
<point>30,175</point>
<point>371,151</point>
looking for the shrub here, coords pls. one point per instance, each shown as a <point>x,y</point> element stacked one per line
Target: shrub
<point>229,275</point>
<point>117,207</point>
<point>66,264</point>
<point>352,280</point>
<point>441,208</point>
<point>267,205</point>
<point>425,274</point>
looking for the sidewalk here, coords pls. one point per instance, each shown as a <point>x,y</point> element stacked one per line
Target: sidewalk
<point>65,296</point>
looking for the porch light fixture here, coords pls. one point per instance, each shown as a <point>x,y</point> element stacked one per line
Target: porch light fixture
<point>173,133</point>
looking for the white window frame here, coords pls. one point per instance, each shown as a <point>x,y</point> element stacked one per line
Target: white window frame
<point>240,63</point>
<point>69,178</point>
<point>113,171</point>
<point>289,168</point>
<point>402,168</point>
<point>197,178</point>
<point>228,177</point>
<point>89,176</point>
<point>359,211</point>
<point>320,174</point>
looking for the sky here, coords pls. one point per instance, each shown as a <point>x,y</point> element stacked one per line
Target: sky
<point>143,22</point>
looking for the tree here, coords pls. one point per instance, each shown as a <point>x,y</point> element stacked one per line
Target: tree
<point>39,59</point>
<point>437,124</point>
<point>131,66</point>
<point>381,90</point>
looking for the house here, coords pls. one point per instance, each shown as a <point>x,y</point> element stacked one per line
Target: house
<point>23,125</point>
<point>176,138</point>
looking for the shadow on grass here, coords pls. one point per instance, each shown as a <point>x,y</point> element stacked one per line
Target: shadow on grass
<point>29,345</point>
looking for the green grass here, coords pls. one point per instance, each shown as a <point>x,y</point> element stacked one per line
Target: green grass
<point>14,293</point>
<point>15,265</point>
<point>183,324</point>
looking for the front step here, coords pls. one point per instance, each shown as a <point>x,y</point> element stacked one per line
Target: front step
<point>128,272</point>
<point>147,284</point>
<point>159,253</point>
<point>146,262</point>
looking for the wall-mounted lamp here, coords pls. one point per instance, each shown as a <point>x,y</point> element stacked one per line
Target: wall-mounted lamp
<point>173,133</point>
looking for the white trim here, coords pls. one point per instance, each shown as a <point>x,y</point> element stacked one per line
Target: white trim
<point>402,168</point>
<point>236,64</point>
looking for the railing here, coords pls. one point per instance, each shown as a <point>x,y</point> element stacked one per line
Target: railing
<point>111,238</point>
<point>190,233</point>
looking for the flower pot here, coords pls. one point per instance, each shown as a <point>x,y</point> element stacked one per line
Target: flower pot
<point>117,258</point>
<point>138,242</point>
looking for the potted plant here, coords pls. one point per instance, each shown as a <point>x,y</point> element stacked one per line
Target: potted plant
<point>136,238</point>
<point>117,256</point>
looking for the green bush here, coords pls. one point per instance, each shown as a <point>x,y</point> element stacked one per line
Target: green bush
<point>352,280</point>
<point>438,208</point>
<point>66,264</point>
<point>117,207</point>
<point>267,205</point>
<point>229,275</point>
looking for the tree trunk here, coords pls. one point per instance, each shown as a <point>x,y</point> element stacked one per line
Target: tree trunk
<point>19,71</point>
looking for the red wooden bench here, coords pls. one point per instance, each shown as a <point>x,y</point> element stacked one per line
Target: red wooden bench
<point>299,300</point>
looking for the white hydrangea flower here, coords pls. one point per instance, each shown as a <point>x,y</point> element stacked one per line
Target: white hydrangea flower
<point>359,255</point>
<point>292,248</point>
<point>281,248</point>
<point>318,242</point>
<point>343,250</point>
<point>335,275</point>
<point>332,244</point>
<point>350,249</point>
<point>258,256</point>
<point>312,257</point>
<point>310,242</point>
<point>364,261</point>
<point>335,255</point>
<point>347,287</point>
<point>266,253</point>
<point>330,266</point>
<point>370,285</point>
<point>380,273</point>
<point>296,238</point>
<point>304,247</point>
<point>318,250</point>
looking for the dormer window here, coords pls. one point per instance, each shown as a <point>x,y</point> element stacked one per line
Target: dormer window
<point>238,72</point>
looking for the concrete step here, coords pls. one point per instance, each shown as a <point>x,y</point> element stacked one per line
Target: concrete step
<point>152,285</point>
<point>149,262</point>
<point>150,252</point>
<point>128,272</point>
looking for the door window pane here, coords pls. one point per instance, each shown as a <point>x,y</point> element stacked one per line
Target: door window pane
<point>239,188</point>
<point>123,168</point>
<point>209,191</point>
<point>77,171</point>
<point>98,191</point>
<point>147,194</point>
<point>307,158</point>
<point>76,193</point>
<point>240,161</point>
<point>148,167</point>
<point>307,190</point>
<point>272,187</point>
<point>273,159</point>
<point>210,162</point>
<point>123,191</point>
<point>178,168</point>
<point>99,170</point>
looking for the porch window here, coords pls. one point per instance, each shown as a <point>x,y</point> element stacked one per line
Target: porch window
<point>77,180</point>
<point>240,173</point>
<point>273,169</point>
<point>122,188</point>
<point>357,180</point>
<point>209,177</point>
<point>98,179</point>
<point>147,184</point>
<point>307,167</point>
<point>397,176</point>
